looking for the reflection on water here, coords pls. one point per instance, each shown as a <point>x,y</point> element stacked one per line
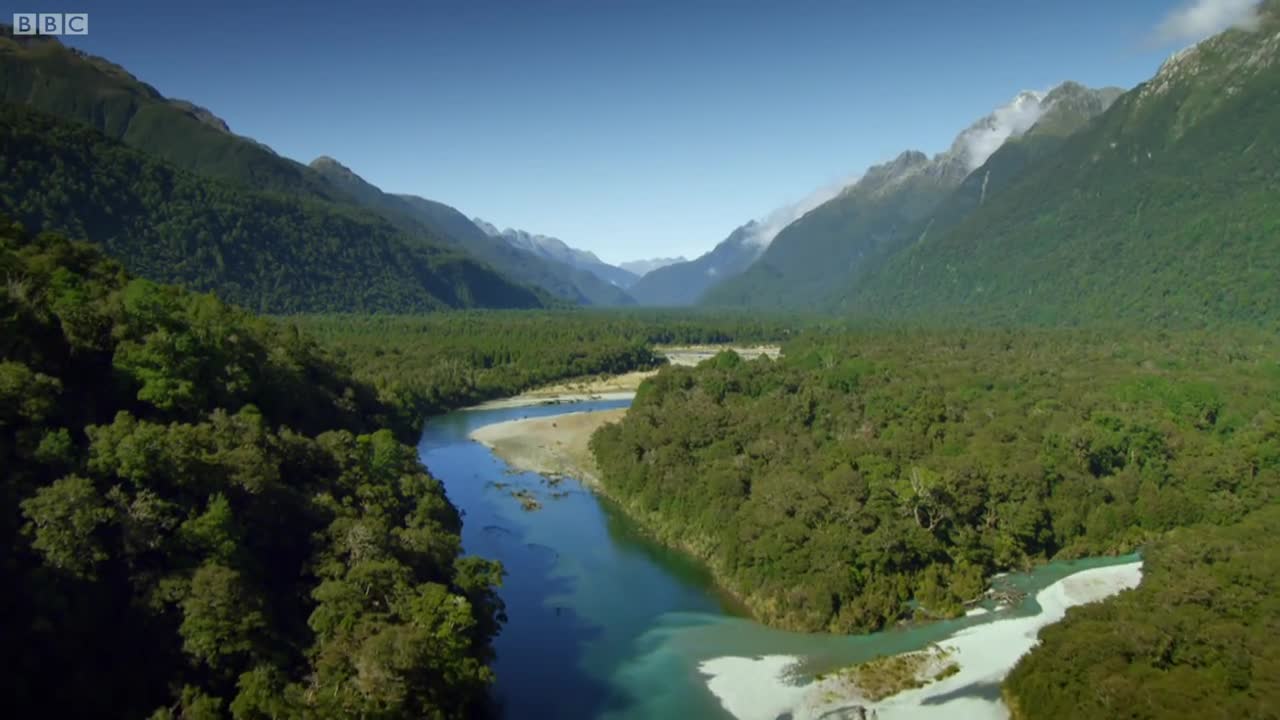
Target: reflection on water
<point>604,623</point>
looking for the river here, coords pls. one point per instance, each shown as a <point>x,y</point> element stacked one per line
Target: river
<point>603,623</point>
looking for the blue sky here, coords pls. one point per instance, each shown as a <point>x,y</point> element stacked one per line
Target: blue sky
<point>631,128</point>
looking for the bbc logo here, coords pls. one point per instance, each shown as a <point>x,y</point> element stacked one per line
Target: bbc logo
<point>51,23</point>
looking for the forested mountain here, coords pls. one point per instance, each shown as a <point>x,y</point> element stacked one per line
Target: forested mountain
<point>420,216</point>
<point>813,258</point>
<point>42,73</point>
<point>1162,210</point>
<point>270,252</point>
<point>1066,109</point>
<point>684,283</point>
<point>562,279</point>
<point>556,249</point>
<point>206,517</point>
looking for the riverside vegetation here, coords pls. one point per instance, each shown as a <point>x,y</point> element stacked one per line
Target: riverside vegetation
<point>426,364</point>
<point>873,477</point>
<point>217,494</point>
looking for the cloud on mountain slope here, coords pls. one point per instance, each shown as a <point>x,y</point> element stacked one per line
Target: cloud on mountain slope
<point>768,227</point>
<point>1198,19</point>
<point>980,141</point>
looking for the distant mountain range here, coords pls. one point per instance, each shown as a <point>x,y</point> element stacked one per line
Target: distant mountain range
<point>556,250</point>
<point>1069,206</point>
<point>1073,205</point>
<point>684,283</point>
<point>46,76</point>
<point>800,252</point>
<point>640,268</point>
<point>454,228</point>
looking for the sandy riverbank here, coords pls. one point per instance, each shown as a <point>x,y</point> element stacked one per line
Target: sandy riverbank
<point>751,688</point>
<point>619,387</point>
<point>694,354</point>
<point>551,446</point>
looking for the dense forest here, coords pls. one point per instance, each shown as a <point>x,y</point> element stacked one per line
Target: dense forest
<point>204,503</point>
<point>265,251</point>
<point>1196,639</point>
<point>428,363</point>
<point>220,494</point>
<point>871,477</point>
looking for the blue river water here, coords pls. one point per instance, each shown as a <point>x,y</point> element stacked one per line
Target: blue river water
<point>603,623</point>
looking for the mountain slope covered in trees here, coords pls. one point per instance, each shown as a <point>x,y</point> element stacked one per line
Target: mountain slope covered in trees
<point>44,74</point>
<point>562,279</point>
<point>437,220</point>
<point>1161,211</point>
<point>816,256</point>
<point>203,503</point>
<point>269,252</point>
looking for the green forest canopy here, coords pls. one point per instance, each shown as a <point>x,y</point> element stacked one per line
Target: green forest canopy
<point>861,472</point>
<point>428,363</point>
<point>268,252</point>
<point>1196,639</point>
<point>217,493</point>
<point>203,502</point>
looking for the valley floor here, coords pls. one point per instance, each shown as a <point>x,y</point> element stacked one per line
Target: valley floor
<point>621,387</point>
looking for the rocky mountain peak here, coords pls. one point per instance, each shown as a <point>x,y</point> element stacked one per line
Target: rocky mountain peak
<point>1223,60</point>
<point>202,114</point>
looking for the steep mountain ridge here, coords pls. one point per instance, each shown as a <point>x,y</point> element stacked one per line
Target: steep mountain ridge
<point>452,227</point>
<point>1161,210</point>
<point>42,73</point>
<point>269,252</point>
<point>46,75</point>
<point>813,258</point>
<point>1067,109</point>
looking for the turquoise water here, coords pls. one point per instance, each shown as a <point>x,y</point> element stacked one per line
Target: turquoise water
<point>604,623</point>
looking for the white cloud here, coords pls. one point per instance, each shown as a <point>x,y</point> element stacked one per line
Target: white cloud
<point>768,227</point>
<point>982,139</point>
<point>1198,19</point>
